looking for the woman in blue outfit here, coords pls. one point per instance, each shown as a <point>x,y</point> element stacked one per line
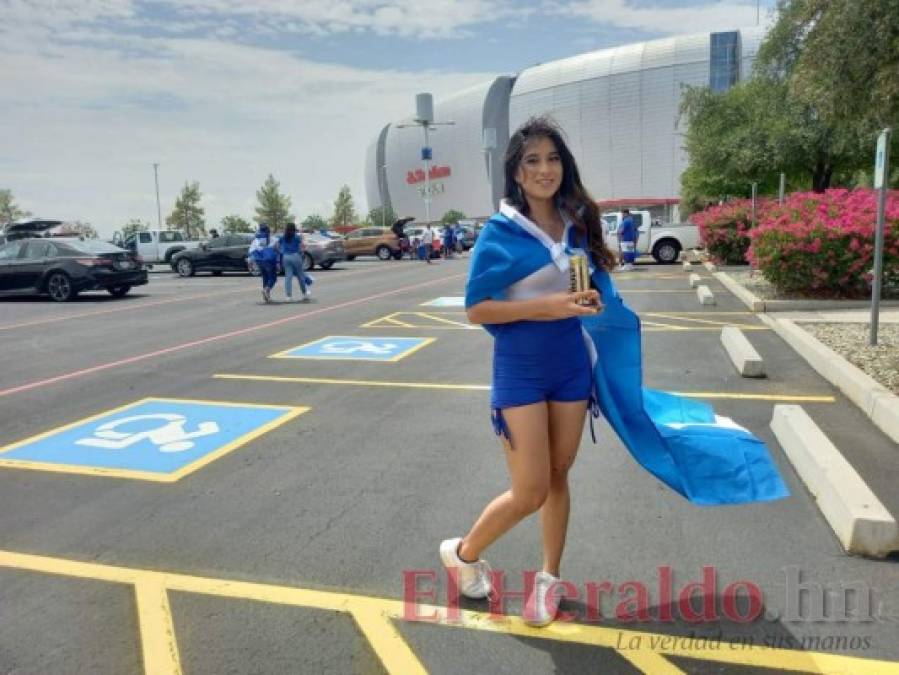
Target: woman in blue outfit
<point>266,257</point>
<point>290,244</point>
<point>541,361</point>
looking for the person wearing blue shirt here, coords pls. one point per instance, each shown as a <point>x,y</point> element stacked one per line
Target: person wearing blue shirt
<point>627,235</point>
<point>290,245</point>
<point>266,257</point>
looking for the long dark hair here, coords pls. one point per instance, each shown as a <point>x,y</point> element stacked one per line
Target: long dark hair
<point>572,197</point>
<point>290,231</point>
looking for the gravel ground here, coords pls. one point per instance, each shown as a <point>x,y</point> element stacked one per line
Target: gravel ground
<point>756,282</point>
<point>850,340</point>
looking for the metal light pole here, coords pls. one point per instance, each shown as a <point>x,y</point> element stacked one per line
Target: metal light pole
<point>882,183</point>
<point>754,190</point>
<point>424,118</point>
<point>158,208</point>
<point>783,187</point>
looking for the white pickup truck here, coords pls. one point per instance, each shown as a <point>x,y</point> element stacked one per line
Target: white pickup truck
<point>158,246</point>
<point>664,242</point>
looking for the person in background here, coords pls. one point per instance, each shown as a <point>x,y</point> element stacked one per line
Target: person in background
<point>213,233</point>
<point>449,241</point>
<point>627,236</point>
<point>264,254</point>
<point>290,245</point>
<point>427,242</point>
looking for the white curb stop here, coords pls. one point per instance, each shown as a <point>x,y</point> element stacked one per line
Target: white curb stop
<point>706,297</point>
<point>695,280</point>
<point>742,353</point>
<point>711,267</point>
<point>860,521</point>
<point>687,266</point>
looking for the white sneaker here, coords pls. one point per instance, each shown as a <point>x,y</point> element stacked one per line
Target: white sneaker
<point>266,295</point>
<point>541,607</point>
<point>473,578</point>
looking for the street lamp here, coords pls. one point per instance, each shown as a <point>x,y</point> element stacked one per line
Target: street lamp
<point>158,208</point>
<point>424,118</point>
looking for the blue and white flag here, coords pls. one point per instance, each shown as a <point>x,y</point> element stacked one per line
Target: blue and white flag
<point>706,458</point>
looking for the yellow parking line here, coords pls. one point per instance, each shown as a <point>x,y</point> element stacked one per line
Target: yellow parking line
<point>388,644</point>
<point>486,387</point>
<point>391,318</point>
<point>157,632</point>
<point>363,383</point>
<point>644,649</point>
<point>447,321</point>
<point>755,397</point>
<point>664,315</point>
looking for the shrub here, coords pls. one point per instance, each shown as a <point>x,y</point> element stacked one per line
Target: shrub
<point>724,230</point>
<point>823,244</point>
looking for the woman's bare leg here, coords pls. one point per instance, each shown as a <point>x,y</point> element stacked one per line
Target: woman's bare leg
<point>529,469</point>
<point>566,425</point>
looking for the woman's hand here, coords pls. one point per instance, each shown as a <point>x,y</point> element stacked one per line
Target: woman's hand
<point>565,305</point>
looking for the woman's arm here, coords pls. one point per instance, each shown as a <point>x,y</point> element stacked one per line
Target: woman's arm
<point>545,308</point>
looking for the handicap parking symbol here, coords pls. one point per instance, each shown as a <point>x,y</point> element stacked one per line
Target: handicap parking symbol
<point>357,348</point>
<point>152,439</point>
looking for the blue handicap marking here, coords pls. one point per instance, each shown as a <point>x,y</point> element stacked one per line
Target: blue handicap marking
<point>156,439</point>
<point>446,301</point>
<point>357,348</point>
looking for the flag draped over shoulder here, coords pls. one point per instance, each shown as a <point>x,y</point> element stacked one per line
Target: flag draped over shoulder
<point>706,458</point>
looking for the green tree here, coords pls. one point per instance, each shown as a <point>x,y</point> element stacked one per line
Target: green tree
<point>274,206</point>
<point>380,216</point>
<point>452,217</point>
<point>313,223</point>
<point>79,228</point>
<point>344,211</point>
<point>188,215</point>
<point>9,210</point>
<point>841,56</point>
<point>134,225</point>
<point>235,223</point>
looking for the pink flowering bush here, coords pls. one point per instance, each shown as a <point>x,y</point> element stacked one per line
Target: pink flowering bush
<point>823,244</point>
<point>724,230</point>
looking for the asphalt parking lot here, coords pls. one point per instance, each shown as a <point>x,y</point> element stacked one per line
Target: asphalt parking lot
<point>280,536</point>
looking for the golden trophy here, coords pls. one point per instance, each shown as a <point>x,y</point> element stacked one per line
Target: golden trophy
<point>579,272</point>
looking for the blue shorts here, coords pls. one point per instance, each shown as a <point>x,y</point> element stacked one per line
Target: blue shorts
<point>537,361</point>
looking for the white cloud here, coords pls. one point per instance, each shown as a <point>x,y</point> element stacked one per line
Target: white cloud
<point>83,125</point>
<point>696,18</point>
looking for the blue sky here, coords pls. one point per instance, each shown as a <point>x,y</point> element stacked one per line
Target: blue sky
<point>227,91</point>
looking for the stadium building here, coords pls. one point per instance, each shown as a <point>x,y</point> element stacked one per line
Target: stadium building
<point>618,108</point>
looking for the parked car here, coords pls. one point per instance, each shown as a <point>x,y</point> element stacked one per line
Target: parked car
<point>158,246</point>
<point>227,253</point>
<point>322,250</point>
<point>664,242</point>
<point>64,267</point>
<point>28,228</point>
<point>414,235</point>
<point>377,241</point>
<point>466,235</point>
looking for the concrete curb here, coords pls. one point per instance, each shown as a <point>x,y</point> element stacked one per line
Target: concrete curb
<point>711,267</point>
<point>743,294</point>
<point>687,266</point>
<point>860,521</point>
<point>756,304</point>
<point>741,352</point>
<point>695,280</point>
<point>705,295</point>
<point>876,401</point>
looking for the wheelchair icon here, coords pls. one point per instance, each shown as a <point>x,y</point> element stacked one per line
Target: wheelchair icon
<point>169,437</point>
<point>357,347</point>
